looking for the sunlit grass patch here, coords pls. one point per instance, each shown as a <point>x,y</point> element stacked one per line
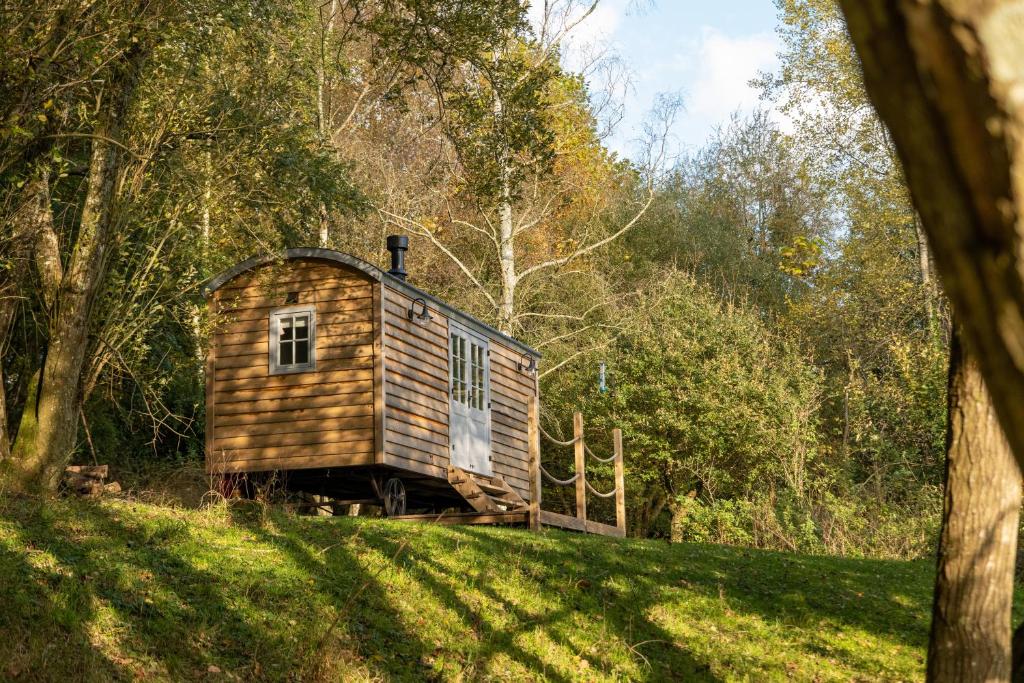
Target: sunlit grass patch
<point>103,590</point>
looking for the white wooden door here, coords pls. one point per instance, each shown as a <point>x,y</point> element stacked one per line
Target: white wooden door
<point>470,400</point>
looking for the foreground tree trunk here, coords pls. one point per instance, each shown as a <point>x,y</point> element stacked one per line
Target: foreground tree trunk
<point>971,635</point>
<point>947,77</point>
<point>46,439</point>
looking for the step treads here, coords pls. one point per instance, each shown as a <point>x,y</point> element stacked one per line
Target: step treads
<point>471,491</point>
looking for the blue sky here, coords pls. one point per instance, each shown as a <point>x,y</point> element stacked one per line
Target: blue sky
<point>705,50</point>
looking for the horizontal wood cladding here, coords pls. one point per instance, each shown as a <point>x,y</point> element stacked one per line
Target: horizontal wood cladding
<point>415,387</point>
<point>380,391</point>
<point>345,458</point>
<point>511,390</point>
<point>321,418</point>
<point>416,397</point>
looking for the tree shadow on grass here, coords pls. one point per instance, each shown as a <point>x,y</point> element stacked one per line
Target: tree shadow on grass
<point>631,646</point>
<point>820,595</point>
<point>365,622</point>
<point>47,609</point>
<point>883,597</point>
<point>166,614</point>
<point>102,592</point>
<point>170,616</point>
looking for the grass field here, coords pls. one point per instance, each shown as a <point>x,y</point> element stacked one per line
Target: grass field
<point>100,590</point>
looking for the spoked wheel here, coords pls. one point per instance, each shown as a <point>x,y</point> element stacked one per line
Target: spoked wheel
<point>394,497</point>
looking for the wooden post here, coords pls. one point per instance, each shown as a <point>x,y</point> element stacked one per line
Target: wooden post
<point>620,482</point>
<point>533,434</point>
<point>581,466</point>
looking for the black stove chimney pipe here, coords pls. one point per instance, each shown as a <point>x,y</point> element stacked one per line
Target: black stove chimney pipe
<point>397,245</point>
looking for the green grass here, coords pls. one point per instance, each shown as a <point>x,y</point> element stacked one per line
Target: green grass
<point>101,590</point>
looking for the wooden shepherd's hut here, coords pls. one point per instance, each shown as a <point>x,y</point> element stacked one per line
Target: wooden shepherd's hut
<point>347,382</point>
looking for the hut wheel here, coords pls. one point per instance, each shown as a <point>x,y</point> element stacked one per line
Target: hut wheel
<point>394,497</point>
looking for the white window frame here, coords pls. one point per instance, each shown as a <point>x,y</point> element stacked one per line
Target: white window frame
<point>274,339</point>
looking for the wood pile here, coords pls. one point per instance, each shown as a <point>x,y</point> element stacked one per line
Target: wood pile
<point>89,480</point>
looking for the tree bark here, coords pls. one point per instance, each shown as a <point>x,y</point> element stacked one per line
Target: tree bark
<point>46,257</point>
<point>506,232</point>
<point>971,635</point>
<point>679,508</point>
<point>33,217</point>
<point>507,259</point>
<point>677,512</point>
<point>924,264</point>
<point>46,441</point>
<point>947,77</point>
<point>324,125</point>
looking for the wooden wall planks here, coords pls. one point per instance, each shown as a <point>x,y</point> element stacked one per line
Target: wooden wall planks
<point>511,390</point>
<point>310,419</point>
<point>380,393</point>
<point>415,386</point>
<point>416,396</point>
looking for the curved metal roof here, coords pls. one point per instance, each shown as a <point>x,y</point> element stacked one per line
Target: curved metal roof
<point>374,273</point>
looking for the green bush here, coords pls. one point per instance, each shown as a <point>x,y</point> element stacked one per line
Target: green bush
<point>829,525</point>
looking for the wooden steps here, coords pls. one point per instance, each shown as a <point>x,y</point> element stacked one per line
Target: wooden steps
<point>485,494</point>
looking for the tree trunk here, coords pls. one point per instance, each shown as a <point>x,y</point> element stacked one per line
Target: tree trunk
<point>324,125</point>
<point>506,234</point>
<point>44,448</point>
<point>46,257</point>
<point>33,217</point>
<point>924,264</point>
<point>679,508</point>
<point>678,514</point>
<point>207,200</point>
<point>971,634</point>
<point>652,506</point>
<point>946,77</point>
<point>507,258</point>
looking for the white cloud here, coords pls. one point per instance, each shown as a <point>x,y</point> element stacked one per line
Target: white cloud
<point>723,68</point>
<point>709,63</point>
<point>602,24</point>
<point>599,27</point>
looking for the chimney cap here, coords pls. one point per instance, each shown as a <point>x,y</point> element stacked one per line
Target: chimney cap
<point>398,242</point>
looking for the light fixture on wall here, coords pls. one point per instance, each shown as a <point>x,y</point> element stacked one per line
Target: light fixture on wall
<point>423,317</point>
<point>529,366</point>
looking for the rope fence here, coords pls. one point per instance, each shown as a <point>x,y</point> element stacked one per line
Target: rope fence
<point>560,482</point>
<point>583,487</point>
<point>610,458</point>
<point>598,493</point>
<point>555,441</point>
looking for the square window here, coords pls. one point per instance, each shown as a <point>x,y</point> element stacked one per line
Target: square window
<point>292,339</point>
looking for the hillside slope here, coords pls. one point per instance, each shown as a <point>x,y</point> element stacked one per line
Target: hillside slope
<point>101,590</point>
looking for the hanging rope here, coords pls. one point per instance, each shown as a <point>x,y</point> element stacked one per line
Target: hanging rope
<point>591,454</point>
<point>554,440</point>
<point>598,493</point>
<point>560,482</point>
